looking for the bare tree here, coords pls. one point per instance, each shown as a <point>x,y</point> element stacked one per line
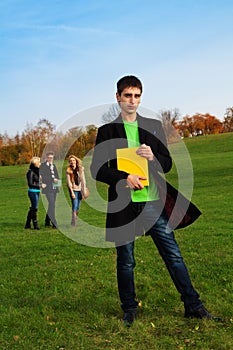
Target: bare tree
<point>111,114</point>
<point>169,118</point>
<point>228,120</point>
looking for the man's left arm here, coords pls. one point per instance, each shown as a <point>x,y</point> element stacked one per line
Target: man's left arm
<point>155,150</point>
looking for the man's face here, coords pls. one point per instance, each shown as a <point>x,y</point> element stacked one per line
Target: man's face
<point>129,99</point>
<point>50,158</point>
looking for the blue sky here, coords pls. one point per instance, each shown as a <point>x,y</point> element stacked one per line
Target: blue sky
<point>61,57</point>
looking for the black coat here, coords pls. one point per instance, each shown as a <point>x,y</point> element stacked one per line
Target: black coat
<point>120,223</point>
<point>47,178</point>
<point>33,178</point>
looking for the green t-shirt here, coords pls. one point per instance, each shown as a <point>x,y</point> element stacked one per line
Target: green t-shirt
<point>148,193</point>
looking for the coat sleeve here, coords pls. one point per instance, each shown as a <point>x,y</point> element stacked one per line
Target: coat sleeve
<point>163,160</point>
<point>156,139</point>
<point>68,182</point>
<point>83,183</point>
<point>43,173</point>
<point>104,165</point>
<point>30,178</point>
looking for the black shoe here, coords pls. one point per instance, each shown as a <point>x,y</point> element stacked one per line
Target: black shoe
<point>35,225</point>
<point>201,312</point>
<point>129,318</point>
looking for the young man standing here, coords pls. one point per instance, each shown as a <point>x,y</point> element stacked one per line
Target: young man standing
<point>135,209</point>
<point>50,177</point>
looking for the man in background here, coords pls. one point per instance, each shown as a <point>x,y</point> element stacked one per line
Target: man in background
<point>50,179</point>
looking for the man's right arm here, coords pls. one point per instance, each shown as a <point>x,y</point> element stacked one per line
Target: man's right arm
<point>104,152</point>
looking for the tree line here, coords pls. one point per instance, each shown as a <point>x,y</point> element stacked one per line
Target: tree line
<point>195,125</point>
<point>80,140</point>
<point>34,140</point>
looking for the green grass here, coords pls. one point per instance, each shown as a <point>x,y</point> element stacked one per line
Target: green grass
<point>58,294</point>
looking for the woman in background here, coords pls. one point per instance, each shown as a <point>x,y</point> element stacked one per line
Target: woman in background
<point>76,183</point>
<point>33,179</point>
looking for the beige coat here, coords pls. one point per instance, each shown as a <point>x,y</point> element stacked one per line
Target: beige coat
<point>70,181</point>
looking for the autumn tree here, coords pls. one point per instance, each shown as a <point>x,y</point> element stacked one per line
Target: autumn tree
<point>212,124</point>
<point>36,137</point>
<point>184,126</point>
<point>192,125</point>
<point>199,124</point>
<point>82,140</point>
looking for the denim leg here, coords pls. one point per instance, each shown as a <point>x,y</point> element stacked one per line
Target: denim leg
<point>171,255</point>
<point>34,198</point>
<point>125,276</point>
<point>76,201</point>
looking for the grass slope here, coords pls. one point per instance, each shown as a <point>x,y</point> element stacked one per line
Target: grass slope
<point>58,294</point>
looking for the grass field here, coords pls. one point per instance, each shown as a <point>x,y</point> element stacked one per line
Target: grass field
<point>57,294</point>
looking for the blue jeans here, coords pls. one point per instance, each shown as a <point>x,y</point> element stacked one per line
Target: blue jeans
<point>170,253</point>
<point>76,201</point>
<point>34,199</point>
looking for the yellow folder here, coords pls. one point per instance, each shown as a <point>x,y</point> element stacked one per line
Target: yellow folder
<point>131,163</point>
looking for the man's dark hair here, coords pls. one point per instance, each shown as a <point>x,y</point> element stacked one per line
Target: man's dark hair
<point>49,153</point>
<point>128,81</point>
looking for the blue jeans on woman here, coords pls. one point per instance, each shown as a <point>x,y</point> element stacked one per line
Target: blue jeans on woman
<point>76,201</point>
<point>34,198</point>
<point>169,250</point>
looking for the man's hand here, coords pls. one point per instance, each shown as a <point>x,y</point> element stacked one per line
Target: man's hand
<point>145,152</point>
<point>134,182</point>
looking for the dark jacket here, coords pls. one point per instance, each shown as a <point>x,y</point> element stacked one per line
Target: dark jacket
<point>120,222</point>
<point>46,177</point>
<point>33,178</point>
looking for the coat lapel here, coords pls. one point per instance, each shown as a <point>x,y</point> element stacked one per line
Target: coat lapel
<point>119,133</point>
<point>119,128</point>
